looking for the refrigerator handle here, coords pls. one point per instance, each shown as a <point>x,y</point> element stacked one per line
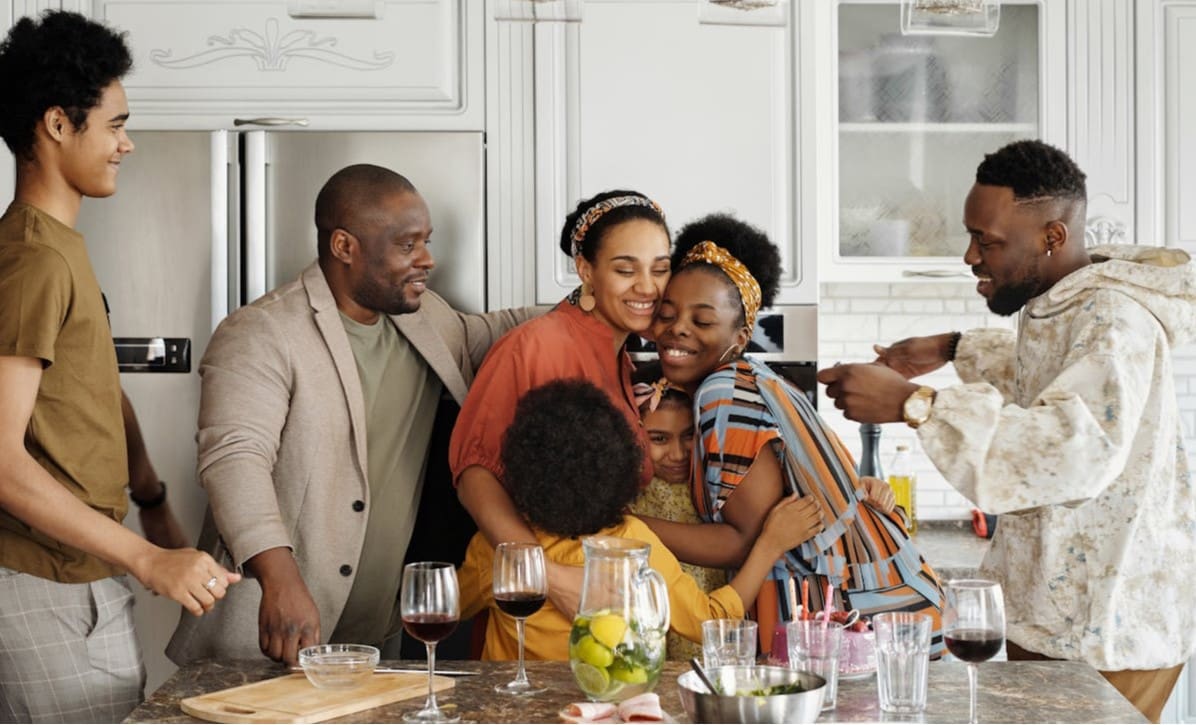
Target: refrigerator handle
<point>219,209</point>
<point>270,121</point>
<point>255,214</point>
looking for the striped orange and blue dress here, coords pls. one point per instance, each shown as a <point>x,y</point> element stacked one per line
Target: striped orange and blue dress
<point>743,410</point>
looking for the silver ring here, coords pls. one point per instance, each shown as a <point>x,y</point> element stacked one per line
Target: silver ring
<point>210,584</point>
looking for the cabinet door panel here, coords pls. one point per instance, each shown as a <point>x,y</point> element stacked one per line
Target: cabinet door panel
<point>699,117</point>
<point>196,58</point>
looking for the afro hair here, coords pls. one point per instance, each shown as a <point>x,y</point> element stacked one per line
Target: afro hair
<point>570,459</point>
<point>63,60</point>
<point>1034,170</point>
<point>745,242</point>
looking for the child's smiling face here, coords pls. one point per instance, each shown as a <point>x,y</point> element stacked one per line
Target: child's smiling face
<point>670,439</point>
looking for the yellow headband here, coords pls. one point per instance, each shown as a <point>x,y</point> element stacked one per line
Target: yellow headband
<point>749,288</point>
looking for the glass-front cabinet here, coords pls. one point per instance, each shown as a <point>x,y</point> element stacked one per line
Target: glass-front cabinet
<point>912,117</point>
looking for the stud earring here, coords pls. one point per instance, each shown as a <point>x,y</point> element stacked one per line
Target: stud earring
<point>586,301</point>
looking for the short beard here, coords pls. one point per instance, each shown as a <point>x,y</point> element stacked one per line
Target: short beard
<point>1007,300</point>
<point>373,296</point>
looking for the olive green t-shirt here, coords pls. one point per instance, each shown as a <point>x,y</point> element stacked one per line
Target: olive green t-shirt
<point>401,393</point>
<point>51,309</point>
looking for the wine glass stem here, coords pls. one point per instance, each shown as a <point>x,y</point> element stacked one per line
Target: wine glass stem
<point>521,677</point>
<point>431,705</point>
<point>972,693</point>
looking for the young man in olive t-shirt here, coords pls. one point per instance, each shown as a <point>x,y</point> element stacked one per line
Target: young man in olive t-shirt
<point>67,647</point>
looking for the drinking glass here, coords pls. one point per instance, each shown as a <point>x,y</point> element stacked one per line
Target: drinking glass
<point>728,642</point>
<point>974,626</point>
<point>430,606</point>
<point>902,660</point>
<point>520,588</point>
<point>814,647</point>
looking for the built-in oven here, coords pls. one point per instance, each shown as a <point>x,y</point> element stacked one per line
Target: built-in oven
<point>785,338</point>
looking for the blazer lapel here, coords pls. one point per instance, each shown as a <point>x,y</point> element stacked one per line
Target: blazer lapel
<point>420,331</point>
<point>328,321</point>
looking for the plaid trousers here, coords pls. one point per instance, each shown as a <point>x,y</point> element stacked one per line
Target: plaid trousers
<point>68,652</point>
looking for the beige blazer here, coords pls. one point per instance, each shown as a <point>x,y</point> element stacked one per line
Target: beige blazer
<point>282,444</point>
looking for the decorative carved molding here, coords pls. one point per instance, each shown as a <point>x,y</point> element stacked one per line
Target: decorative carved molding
<point>1102,230</point>
<point>271,51</point>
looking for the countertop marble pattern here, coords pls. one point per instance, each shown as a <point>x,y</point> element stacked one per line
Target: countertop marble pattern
<point>1011,692</point>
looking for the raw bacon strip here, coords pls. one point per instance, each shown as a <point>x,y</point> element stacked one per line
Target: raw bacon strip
<point>642,708</point>
<point>589,712</point>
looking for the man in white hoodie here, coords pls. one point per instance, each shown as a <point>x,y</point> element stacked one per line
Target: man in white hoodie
<point>1069,427</point>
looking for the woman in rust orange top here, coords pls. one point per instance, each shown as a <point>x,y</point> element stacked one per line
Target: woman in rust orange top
<point>620,244</point>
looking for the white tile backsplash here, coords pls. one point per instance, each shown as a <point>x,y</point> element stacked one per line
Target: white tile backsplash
<point>851,317</point>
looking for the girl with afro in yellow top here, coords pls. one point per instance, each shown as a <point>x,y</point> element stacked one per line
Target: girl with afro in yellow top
<point>572,465</point>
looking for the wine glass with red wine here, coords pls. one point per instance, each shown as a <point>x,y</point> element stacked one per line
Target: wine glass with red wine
<point>974,626</point>
<point>430,605</point>
<point>520,588</point>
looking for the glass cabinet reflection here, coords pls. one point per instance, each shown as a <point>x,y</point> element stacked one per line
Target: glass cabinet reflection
<point>916,115</point>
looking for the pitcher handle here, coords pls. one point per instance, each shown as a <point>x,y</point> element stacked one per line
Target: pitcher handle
<point>658,593</point>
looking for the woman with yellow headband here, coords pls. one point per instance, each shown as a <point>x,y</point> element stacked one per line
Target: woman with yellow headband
<point>619,243</point>
<point>760,439</point>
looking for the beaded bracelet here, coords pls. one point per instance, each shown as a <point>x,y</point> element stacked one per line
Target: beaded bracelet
<point>152,503</point>
<point>953,345</point>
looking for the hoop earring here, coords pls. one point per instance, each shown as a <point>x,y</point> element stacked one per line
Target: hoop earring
<point>733,350</point>
<point>586,301</point>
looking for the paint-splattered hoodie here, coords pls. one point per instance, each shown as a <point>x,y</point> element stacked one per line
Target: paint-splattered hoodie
<point>1069,429</point>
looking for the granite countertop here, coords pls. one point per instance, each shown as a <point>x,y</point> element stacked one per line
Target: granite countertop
<point>951,547</point>
<point>1013,692</point>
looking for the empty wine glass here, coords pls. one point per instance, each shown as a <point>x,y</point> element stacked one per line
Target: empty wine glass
<point>520,588</point>
<point>430,606</point>
<point>974,626</point>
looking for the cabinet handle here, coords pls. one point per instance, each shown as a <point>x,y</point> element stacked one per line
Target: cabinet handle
<point>270,121</point>
<point>934,273</point>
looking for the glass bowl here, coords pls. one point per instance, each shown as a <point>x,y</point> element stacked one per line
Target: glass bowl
<point>338,666</point>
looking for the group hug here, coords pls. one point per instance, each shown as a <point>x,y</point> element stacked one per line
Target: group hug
<point>334,404</point>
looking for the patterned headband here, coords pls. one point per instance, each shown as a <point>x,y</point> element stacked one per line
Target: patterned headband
<point>749,288</point>
<point>594,213</point>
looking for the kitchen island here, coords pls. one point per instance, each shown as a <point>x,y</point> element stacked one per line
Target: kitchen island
<point>1013,692</point>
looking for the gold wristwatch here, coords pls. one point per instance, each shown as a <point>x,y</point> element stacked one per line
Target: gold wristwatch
<point>916,409</point>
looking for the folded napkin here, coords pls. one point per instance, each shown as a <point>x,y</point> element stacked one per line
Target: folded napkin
<point>641,708</point>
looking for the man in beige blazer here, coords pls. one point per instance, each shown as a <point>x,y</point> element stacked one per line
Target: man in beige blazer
<point>316,416</point>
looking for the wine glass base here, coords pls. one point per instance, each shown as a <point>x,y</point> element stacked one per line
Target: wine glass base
<point>438,715</point>
<point>519,689</point>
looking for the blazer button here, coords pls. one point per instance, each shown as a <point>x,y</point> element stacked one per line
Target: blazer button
<point>359,506</point>
<point>346,570</point>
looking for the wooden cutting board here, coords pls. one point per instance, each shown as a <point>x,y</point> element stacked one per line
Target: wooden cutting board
<point>293,699</point>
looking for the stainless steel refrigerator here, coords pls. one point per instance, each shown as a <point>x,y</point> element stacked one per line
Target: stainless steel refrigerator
<point>206,221</point>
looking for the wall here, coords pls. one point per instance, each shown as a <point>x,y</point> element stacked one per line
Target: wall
<point>853,316</point>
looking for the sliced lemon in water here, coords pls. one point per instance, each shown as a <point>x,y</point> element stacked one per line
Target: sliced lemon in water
<point>631,675</point>
<point>588,650</point>
<point>608,629</point>
<point>592,680</point>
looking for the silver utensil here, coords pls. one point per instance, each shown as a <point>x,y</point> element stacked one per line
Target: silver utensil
<point>697,668</point>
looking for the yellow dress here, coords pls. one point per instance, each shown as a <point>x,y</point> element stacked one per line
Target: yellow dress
<point>547,631</point>
<point>671,501</point>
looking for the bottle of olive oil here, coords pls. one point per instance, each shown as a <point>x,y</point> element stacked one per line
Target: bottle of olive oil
<point>904,484</point>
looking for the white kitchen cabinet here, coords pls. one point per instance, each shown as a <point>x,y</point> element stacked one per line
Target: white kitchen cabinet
<point>338,64</point>
<point>909,119</point>
<point>701,118</point>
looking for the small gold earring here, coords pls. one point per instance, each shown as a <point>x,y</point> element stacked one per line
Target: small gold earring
<point>586,302</point>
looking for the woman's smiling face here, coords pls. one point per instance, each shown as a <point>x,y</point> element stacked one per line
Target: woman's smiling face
<point>700,320</point>
<point>628,274</point>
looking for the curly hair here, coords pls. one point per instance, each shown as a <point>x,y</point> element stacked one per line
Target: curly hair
<point>592,241</point>
<point>62,60</point>
<point>745,242</point>
<point>1034,170</point>
<point>570,459</point>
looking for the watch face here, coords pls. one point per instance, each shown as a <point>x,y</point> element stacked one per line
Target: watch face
<point>917,408</point>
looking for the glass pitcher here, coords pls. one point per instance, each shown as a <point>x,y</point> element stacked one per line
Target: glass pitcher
<point>617,645</point>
